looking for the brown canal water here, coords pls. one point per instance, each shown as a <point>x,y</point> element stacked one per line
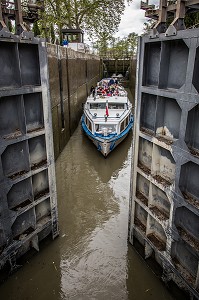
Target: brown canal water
<point>91,259</point>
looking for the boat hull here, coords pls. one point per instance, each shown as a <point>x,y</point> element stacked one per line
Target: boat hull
<point>106,145</point>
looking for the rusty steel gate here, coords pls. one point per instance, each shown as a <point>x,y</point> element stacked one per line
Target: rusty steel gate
<point>164,200</point>
<point>28,204</point>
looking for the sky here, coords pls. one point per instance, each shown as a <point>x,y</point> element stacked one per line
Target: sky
<point>132,20</point>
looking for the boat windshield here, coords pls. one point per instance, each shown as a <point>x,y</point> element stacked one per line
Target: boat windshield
<point>105,129</point>
<point>116,105</point>
<point>97,105</point>
<point>110,105</point>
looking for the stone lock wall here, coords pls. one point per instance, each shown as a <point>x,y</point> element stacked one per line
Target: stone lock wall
<point>71,75</point>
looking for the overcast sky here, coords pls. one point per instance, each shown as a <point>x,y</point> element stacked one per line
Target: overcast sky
<point>133,18</point>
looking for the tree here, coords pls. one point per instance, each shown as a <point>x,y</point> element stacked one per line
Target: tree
<point>116,47</point>
<point>192,20</point>
<point>148,25</point>
<point>93,16</point>
<point>52,33</point>
<point>132,43</point>
<point>36,29</point>
<point>10,27</point>
<point>102,44</point>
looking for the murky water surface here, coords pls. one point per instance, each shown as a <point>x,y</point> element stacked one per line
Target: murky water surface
<point>91,259</point>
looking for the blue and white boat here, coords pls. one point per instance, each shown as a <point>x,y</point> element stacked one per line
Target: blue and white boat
<point>107,117</point>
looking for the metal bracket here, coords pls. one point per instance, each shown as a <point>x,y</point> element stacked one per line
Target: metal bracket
<point>160,26</point>
<point>153,33</point>
<point>27,35</point>
<point>21,30</point>
<point>5,33</point>
<point>171,30</point>
<point>178,22</point>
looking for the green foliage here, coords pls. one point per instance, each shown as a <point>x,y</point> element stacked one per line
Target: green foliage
<point>10,27</point>
<point>52,33</point>
<point>148,25</point>
<point>192,20</point>
<point>93,16</point>
<point>36,29</point>
<point>116,47</point>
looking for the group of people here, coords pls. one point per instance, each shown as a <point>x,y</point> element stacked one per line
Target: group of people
<point>106,88</point>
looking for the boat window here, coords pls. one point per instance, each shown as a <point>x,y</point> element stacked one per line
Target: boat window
<point>127,120</point>
<point>105,128</point>
<point>116,105</point>
<point>122,126</point>
<point>110,105</point>
<point>97,105</point>
<point>89,126</point>
<point>88,123</point>
<point>125,123</point>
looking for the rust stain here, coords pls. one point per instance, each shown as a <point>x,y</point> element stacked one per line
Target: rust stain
<point>140,225</point>
<point>142,198</point>
<point>160,245</point>
<point>144,168</point>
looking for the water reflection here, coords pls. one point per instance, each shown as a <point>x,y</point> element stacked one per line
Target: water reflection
<point>105,168</point>
<point>91,259</point>
<point>39,278</point>
<point>97,270</point>
<point>141,281</point>
<point>97,262</point>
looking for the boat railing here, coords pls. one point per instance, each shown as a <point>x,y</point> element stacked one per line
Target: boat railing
<point>118,116</point>
<point>108,136</point>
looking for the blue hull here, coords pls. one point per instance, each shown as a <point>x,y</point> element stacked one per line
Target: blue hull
<point>106,144</point>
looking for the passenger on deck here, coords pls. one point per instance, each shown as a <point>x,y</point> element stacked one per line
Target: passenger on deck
<point>103,92</point>
<point>108,93</point>
<point>99,90</point>
<point>93,91</point>
<point>111,81</point>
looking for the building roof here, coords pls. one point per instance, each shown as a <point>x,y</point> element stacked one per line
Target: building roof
<point>72,30</point>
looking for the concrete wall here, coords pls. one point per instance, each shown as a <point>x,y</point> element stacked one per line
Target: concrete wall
<point>164,200</point>
<point>132,75</point>
<point>71,75</point>
<point>117,66</point>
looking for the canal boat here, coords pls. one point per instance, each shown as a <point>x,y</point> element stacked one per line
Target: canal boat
<point>107,117</point>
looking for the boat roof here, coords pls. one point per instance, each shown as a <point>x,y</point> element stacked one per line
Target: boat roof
<point>113,99</point>
<point>114,116</point>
